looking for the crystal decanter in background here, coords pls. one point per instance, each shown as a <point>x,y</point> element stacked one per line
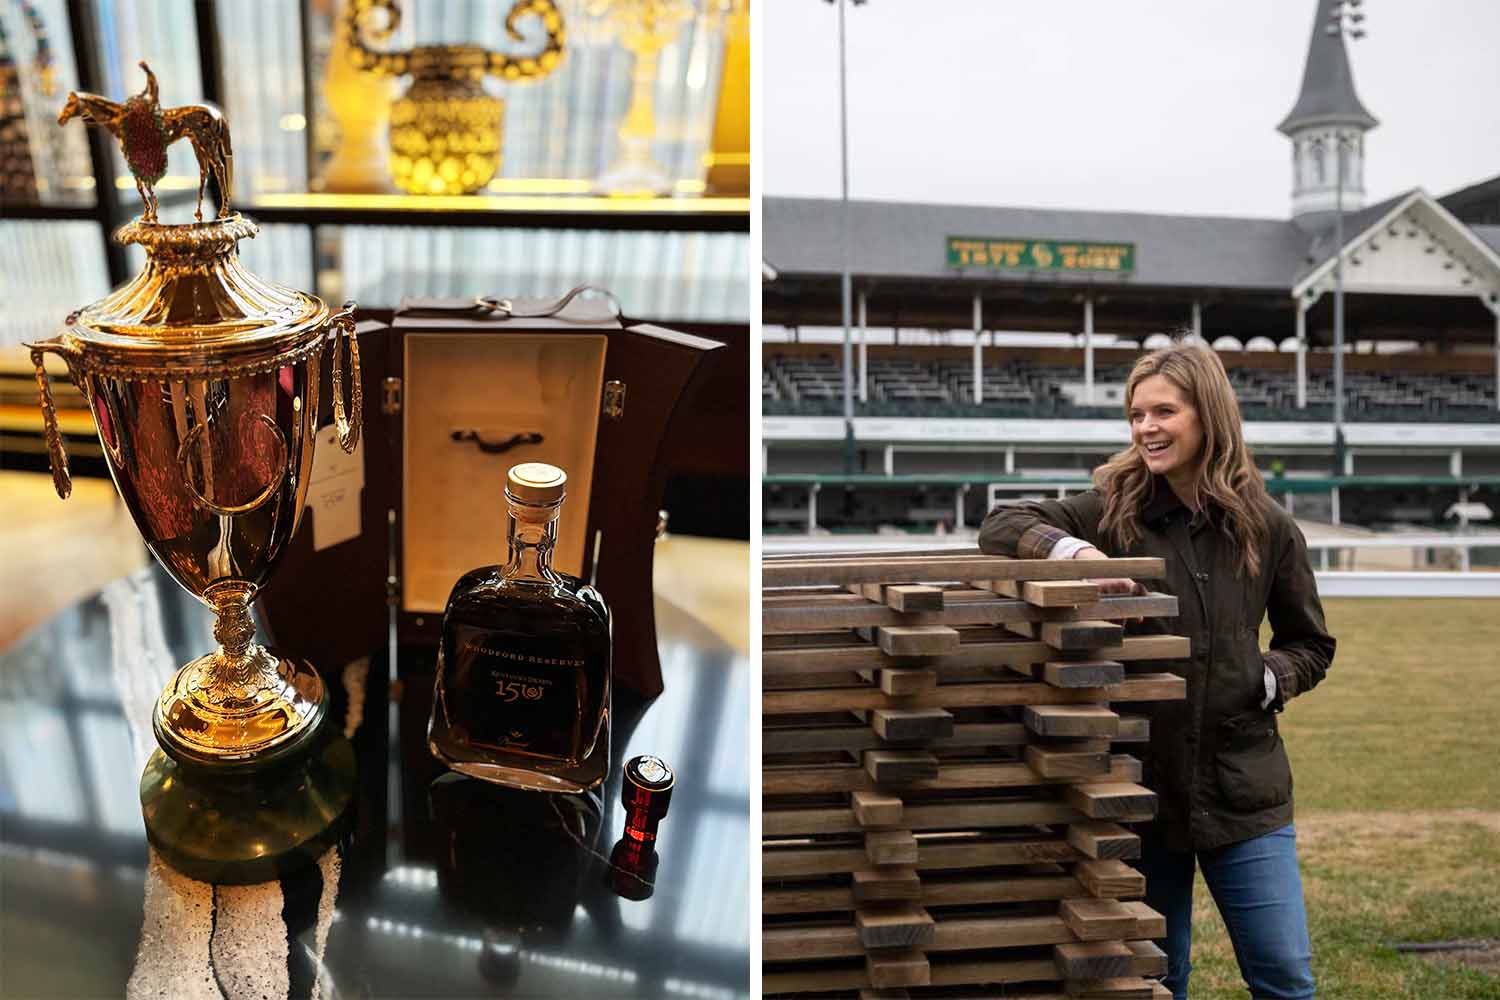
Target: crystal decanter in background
<point>522,696</point>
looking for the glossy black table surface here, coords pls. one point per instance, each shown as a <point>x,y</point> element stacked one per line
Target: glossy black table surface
<point>445,886</point>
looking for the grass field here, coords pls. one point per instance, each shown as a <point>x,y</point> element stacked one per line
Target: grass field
<point>1396,757</point>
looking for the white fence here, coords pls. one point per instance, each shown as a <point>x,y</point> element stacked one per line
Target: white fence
<point>1346,548</point>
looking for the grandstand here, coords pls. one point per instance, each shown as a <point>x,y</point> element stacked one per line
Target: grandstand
<point>992,343</point>
<point>1435,430</point>
<point>921,384</point>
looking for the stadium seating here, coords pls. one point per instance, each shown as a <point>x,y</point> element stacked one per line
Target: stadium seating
<point>813,386</point>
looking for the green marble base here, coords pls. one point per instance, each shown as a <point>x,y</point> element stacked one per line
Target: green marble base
<point>238,824</point>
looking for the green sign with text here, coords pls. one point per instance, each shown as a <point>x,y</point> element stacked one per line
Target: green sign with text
<point>1007,254</point>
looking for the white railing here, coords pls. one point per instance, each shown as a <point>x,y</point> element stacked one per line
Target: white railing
<point>1376,583</point>
<point>1420,544</point>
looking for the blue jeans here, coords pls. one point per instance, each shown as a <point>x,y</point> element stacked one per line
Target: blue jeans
<point>1259,894</point>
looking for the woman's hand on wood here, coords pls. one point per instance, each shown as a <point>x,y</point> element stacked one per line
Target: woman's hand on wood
<point>1110,585</point>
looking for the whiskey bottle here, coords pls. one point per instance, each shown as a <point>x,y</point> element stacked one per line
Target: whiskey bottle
<point>522,695</point>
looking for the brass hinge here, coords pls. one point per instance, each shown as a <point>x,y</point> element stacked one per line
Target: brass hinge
<point>614,399</point>
<point>390,399</point>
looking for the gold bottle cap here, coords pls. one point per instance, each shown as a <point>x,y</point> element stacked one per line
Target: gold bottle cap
<point>536,483</point>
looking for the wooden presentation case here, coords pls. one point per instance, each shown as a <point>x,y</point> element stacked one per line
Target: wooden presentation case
<point>603,395</point>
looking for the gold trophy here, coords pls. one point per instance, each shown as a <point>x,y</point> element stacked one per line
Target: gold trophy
<point>203,382</point>
<point>446,132</point>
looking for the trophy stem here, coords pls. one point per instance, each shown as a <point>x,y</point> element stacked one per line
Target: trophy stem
<point>240,676</point>
<point>235,626</point>
<point>240,706</point>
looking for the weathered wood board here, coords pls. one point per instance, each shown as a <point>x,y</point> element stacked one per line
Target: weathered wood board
<point>943,797</point>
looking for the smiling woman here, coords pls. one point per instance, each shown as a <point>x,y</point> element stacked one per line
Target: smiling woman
<point>1185,428</point>
<point>1186,491</point>
<point>1164,425</point>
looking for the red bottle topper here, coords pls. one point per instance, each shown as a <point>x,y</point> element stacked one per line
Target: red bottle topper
<point>647,792</point>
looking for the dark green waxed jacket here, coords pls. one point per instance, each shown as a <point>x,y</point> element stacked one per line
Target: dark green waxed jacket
<point>1216,760</point>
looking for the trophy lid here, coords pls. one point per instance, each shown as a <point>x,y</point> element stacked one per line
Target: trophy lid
<point>195,309</point>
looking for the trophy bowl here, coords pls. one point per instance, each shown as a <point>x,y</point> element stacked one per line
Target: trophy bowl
<point>203,381</point>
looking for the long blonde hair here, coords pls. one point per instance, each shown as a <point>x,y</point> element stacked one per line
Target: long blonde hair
<point>1223,469</point>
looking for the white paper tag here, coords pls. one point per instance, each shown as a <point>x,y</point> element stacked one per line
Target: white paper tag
<point>334,490</point>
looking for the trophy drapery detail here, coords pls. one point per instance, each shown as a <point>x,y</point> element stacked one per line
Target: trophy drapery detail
<point>57,458</point>
<point>348,429</point>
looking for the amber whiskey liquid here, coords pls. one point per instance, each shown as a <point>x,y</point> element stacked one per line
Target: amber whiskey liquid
<point>522,694</point>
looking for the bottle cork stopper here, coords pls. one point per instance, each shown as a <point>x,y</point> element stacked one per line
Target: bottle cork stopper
<point>536,483</point>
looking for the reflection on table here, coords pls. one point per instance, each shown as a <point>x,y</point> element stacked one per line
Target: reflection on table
<point>447,886</point>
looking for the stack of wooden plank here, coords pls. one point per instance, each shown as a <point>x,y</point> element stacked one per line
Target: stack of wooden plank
<point>943,792</point>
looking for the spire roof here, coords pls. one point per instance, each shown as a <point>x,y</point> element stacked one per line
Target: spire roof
<point>1327,95</point>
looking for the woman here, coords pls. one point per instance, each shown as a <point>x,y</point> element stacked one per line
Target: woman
<point>1187,491</point>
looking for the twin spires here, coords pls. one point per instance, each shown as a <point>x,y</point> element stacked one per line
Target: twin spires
<point>1327,111</point>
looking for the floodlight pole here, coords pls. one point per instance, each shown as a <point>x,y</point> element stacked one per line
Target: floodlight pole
<point>1336,26</point>
<point>1338,310</point>
<point>845,282</point>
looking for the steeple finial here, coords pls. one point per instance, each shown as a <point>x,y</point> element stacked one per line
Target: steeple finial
<point>1327,96</point>
<point>1328,123</point>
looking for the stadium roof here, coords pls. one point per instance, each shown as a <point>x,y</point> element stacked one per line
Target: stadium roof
<point>803,237</point>
<point>1487,188</point>
<point>903,240</point>
<point>1327,96</point>
<point>1477,204</point>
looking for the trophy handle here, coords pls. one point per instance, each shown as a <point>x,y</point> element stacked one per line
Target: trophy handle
<point>535,65</point>
<point>266,494</point>
<point>353,25</point>
<point>343,327</point>
<point>62,480</point>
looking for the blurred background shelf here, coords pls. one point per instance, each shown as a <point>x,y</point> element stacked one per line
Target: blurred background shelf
<point>296,104</point>
<point>690,214</point>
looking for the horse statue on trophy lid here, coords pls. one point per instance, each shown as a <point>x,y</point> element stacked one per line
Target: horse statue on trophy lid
<point>145,129</point>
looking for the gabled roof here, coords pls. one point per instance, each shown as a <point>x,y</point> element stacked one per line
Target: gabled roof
<point>802,236</point>
<point>1469,246</point>
<point>1323,245</point>
<point>1327,96</point>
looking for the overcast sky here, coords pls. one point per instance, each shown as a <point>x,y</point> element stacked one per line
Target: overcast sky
<point>1144,105</point>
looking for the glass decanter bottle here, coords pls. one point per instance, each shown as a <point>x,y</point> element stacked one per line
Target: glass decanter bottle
<point>522,695</point>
